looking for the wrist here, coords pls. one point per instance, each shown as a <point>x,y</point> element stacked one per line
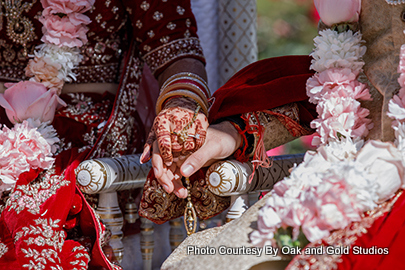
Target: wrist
<point>180,102</point>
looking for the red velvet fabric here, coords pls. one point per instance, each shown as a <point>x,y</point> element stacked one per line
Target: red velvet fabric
<point>266,84</point>
<point>388,231</point>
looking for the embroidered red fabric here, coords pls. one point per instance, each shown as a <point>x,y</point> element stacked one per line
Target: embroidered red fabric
<point>40,226</point>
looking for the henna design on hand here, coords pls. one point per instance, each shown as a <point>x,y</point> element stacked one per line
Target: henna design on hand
<point>178,113</point>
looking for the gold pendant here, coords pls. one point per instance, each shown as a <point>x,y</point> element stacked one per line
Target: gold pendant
<point>19,28</point>
<point>190,215</point>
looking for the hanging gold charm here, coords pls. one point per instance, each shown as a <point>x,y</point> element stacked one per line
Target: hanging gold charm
<point>19,28</point>
<point>190,216</point>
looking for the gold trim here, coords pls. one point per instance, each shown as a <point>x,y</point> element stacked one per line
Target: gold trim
<point>147,229</point>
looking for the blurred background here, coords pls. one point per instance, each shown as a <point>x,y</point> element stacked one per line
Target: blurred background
<point>286,27</point>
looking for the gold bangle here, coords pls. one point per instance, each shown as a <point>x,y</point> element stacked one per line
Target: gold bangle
<point>185,86</point>
<point>198,84</point>
<point>184,93</point>
<point>187,75</point>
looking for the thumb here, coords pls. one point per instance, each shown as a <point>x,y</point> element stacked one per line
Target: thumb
<point>197,160</point>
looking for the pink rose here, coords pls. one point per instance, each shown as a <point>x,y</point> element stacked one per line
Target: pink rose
<point>333,11</point>
<point>67,31</point>
<point>29,99</point>
<point>66,6</point>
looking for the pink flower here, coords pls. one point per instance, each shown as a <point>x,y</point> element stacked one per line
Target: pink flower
<point>45,71</point>
<point>333,208</point>
<point>23,148</point>
<point>29,99</point>
<point>66,6</point>
<point>401,66</point>
<point>334,12</point>
<point>334,80</point>
<point>66,31</point>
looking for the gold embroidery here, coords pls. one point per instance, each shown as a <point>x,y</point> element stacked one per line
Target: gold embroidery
<point>46,233</point>
<point>98,18</point>
<point>345,237</point>
<point>151,34</point>
<point>3,249</point>
<point>33,195</point>
<point>145,5</point>
<point>161,55</point>
<point>19,28</point>
<point>39,260</point>
<point>157,16</point>
<point>165,39</point>
<point>180,10</point>
<point>82,257</point>
<point>171,26</point>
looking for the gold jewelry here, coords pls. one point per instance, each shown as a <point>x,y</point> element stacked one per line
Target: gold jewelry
<point>187,75</point>
<point>184,93</point>
<point>19,28</point>
<point>190,216</point>
<point>183,134</point>
<point>185,86</point>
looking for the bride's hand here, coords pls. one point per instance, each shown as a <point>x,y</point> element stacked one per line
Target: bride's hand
<point>222,141</point>
<point>178,130</point>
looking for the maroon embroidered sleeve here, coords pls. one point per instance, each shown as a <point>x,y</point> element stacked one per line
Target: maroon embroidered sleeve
<point>165,31</point>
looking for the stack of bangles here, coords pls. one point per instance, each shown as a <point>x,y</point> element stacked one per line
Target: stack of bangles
<point>184,84</point>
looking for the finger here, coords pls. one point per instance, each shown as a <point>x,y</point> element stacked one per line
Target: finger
<point>162,130</point>
<point>147,149</point>
<point>179,189</point>
<point>201,134</point>
<point>160,170</point>
<point>189,145</point>
<point>176,146</point>
<point>197,160</point>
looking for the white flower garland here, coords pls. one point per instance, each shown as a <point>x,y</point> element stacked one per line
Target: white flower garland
<point>335,185</point>
<point>32,144</point>
<point>337,58</point>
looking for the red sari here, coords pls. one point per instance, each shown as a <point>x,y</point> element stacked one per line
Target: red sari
<point>45,221</point>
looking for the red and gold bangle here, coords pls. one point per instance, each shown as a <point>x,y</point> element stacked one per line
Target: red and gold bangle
<point>185,86</point>
<point>184,93</point>
<point>199,85</point>
<point>189,76</point>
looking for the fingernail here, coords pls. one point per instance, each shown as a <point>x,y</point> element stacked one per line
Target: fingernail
<point>188,170</point>
<point>166,188</point>
<point>155,171</point>
<point>177,193</point>
<point>184,193</point>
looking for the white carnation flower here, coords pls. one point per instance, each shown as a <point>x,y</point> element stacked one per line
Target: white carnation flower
<point>343,149</point>
<point>47,131</point>
<point>338,50</point>
<point>399,129</point>
<point>67,57</point>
